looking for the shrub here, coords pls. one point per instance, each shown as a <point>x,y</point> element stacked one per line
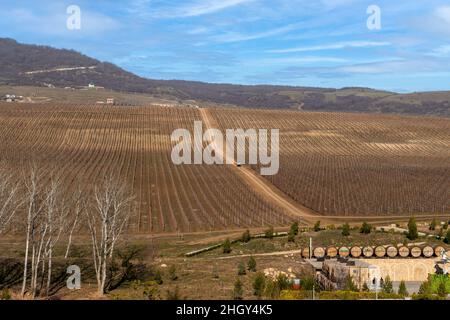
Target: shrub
<point>442,290</point>
<point>259,284</point>
<point>5,295</point>
<point>158,277</point>
<point>241,269</point>
<point>251,265</point>
<point>150,290</point>
<point>173,273</point>
<point>402,291</point>
<point>238,291</point>
<point>317,226</point>
<point>174,295</point>
<point>271,291</point>
<point>282,282</point>
<point>227,246</point>
<point>269,233</point>
<point>246,237</point>
<point>412,229</point>
<point>346,230</point>
<point>308,283</point>
<point>366,228</point>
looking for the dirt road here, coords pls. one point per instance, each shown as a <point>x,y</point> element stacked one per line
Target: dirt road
<point>263,187</point>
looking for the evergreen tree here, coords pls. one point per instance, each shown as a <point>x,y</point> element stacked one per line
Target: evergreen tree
<point>350,285</point>
<point>227,246</point>
<point>241,269</point>
<point>291,236</point>
<point>402,291</point>
<point>412,229</point>
<point>246,237</point>
<point>366,228</point>
<point>447,237</point>
<point>294,228</point>
<point>433,225</point>
<point>387,285</point>
<point>238,291</point>
<point>251,265</point>
<point>317,226</point>
<point>365,287</point>
<point>346,230</point>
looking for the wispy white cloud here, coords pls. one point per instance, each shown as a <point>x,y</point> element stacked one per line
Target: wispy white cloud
<point>237,37</point>
<point>190,9</point>
<point>209,6</point>
<point>442,51</point>
<point>334,46</point>
<point>443,13</point>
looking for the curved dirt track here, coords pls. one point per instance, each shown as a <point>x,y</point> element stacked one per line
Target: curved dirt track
<point>277,197</point>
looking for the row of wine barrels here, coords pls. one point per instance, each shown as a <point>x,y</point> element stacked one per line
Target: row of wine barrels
<point>379,252</point>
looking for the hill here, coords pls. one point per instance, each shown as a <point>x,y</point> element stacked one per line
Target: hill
<point>32,65</point>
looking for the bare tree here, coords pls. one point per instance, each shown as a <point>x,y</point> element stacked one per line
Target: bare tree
<point>46,219</point>
<point>9,199</point>
<point>33,209</point>
<point>78,207</point>
<point>57,221</point>
<point>111,209</point>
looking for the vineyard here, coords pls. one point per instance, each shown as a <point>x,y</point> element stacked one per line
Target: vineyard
<point>85,143</point>
<point>341,164</point>
<point>331,164</point>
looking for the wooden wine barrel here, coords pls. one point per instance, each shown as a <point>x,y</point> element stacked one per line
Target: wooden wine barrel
<point>332,252</point>
<point>428,251</point>
<point>319,252</point>
<point>368,252</point>
<point>392,251</point>
<point>416,252</point>
<point>403,251</point>
<point>438,250</point>
<point>305,253</point>
<point>380,251</point>
<point>344,252</point>
<point>356,252</point>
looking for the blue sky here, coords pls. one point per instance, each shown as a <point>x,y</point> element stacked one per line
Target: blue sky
<point>324,43</point>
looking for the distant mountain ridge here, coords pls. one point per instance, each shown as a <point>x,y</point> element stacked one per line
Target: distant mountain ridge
<point>23,64</point>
